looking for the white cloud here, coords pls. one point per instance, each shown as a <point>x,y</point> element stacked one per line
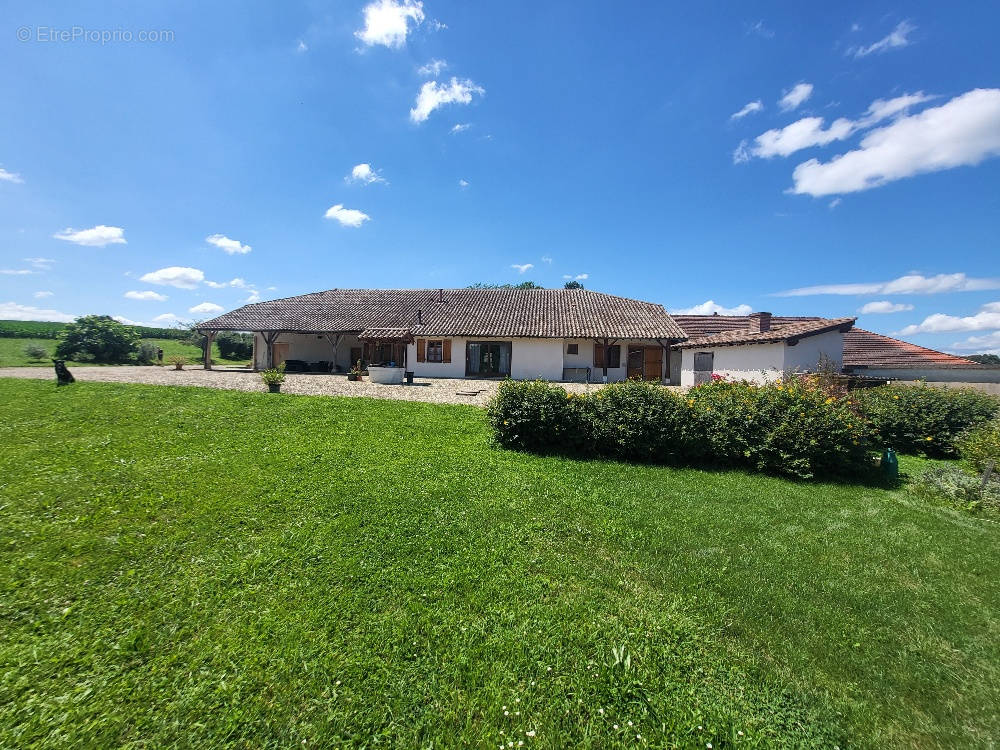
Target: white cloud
<point>301,47</point>
<point>6,176</point>
<point>523,267</point>
<point>988,318</point>
<point>962,132</point>
<point>459,128</point>
<point>748,109</point>
<point>147,296</point>
<point>42,294</point>
<point>236,283</point>
<point>896,39</point>
<point>126,321</point>
<point>254,297</point>
<point>432,68</point>
<point>987,344</point>
<point>14,311</point>
<point>232,247</point>
<point>387,22</point>
<point>205,308</point>
<point>578,277</point>
<point>710,307</point>
<point>760,29</point>
<point>883,306</point>
<point>166,318</point>
<point>835,202</point>
<point>547,259</point>
<point>795,96</point>
<point>181,277</point>
<point>15,272</point>
<point>98,236</point>
<point>463,184</point>
<point>913,283</point>
<point>42,264</point>
<point>364,173</point>
<point>433,95</point>
<point>348,217</point>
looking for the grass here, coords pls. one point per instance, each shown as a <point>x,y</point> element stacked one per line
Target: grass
<point>189,567</point>
<point>12,353</point>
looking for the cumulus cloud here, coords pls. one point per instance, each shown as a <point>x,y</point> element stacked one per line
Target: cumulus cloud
<point>253,297</point>
<point>432,68</point>
<point>962,132</point>
<point>748,109</point>
<point>459,128</point>
<point>434,95</point>
<point>6,176</point>
<point>895,39</point>
<point>988,318</point>
<point>232,247</point>
<point>710,307</point>
<point>301,47</point>
<point>387,22</point>
<point>883,306</point>
<point>98,236</point>
<point>796,95</point>
<point>42,294</point>
<point>348,217</point>
<point>206,308</point>
<point>146,296</point>
<point>522,267</point>
<point>126,321</point>
<point>14,311</point>
<point>987,344</point>
<point>166,318</point>
<point>913,283</point>
<point>578,277</point>
<point>236,283</point>
<point>181,277</point>
<point>463,184</point>
<point>364,174</point>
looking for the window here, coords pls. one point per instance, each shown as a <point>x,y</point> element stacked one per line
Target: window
<point>435,351</point>
<point>572,348</point>
<point>614,356</point>
<point>487,359</point>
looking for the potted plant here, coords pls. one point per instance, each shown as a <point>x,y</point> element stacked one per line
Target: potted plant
<point>355,373</point>
<point>273,378</point>
<point>177,361</point>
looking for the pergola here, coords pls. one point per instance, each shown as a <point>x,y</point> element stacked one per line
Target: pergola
<point>377,341</point>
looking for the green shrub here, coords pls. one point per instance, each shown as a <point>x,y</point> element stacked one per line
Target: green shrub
<point>790,429</point>
<point>98,338</point>
<point>35,352</point>
<point>234,345</point>
<point>961,488</point>
<point>924,419</point>
<point>147,353</point>
<point>980,446</point>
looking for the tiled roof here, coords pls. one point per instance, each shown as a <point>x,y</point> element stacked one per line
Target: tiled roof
<point>864,349</point>
<point>504,313</point>
<point>706,325</point>
<point>733,336</point>
<point>385,334</point>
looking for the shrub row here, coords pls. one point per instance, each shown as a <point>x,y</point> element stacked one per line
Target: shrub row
<point>980,446</point>
<point>791,428</point>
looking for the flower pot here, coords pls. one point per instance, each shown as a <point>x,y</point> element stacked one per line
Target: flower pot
<point>353,377</point>
<point>274,387</point>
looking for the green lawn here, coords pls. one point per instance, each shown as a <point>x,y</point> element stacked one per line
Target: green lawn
<point>12,352</point>
<point>196,568</point>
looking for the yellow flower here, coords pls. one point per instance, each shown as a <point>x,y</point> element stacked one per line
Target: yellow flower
<point>929,438</point>
<point>828,401</point>
<point>896,397</point>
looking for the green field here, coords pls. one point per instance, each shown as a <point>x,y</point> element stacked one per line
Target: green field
<point>12,352</point>
<point>195,568</point>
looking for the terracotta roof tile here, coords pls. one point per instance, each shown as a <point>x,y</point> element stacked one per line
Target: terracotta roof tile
<point>783,331</point>
<point>864,349</point>
<point>503,313</point>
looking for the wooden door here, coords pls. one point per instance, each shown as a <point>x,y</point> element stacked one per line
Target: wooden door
<point>653,363</point>
<point>636,360</point>
<point>703,364</point>
<point>280,353</point>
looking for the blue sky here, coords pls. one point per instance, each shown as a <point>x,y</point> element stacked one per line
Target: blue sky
<point>679,153</point>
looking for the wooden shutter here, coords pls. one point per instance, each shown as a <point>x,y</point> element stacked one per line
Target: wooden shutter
<point>653,363</point>
<point>421,350</point>
<point>446,350</point>
<point>598,355</point>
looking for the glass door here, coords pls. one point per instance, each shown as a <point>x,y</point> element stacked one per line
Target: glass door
<point>487,359</point>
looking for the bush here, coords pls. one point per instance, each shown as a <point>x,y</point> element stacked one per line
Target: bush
<point>147,353</point>
<point>98,338</point>
<point>980,446</point>
<point>35,352</point>
<point>924,419</point>
<point>178,361</point>
<point>234,345</point>
<point>787,428</point>
<point>962,489</point>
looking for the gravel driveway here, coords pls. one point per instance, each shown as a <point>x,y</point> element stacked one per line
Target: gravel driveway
<point>433,390</point>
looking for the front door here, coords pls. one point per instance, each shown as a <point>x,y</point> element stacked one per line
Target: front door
<point>703,365</point>
<point>636,362</point>
<point>280,353</point>
<point>653,363</point>
<point>487,359</point>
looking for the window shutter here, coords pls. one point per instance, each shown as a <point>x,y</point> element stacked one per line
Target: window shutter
<point>421,350</point>
<point>598,355</point>
<point>446,350</point>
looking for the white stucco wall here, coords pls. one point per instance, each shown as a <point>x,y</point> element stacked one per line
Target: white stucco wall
<point>453,369</point>
<point>537,358</point>
<point>805,355</point>
<point>758,363</point>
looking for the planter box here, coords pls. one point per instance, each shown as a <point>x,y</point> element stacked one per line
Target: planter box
<point>386,375</point>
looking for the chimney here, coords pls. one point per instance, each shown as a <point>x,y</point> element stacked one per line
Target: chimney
<point>760,322</point>
<point>440,295</point>
<point>420,317</point>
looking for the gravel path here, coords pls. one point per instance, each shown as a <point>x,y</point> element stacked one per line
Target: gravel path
<point>432,390</point>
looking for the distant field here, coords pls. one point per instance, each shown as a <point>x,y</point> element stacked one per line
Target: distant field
<point>12,352</point>
<point>31,329</point>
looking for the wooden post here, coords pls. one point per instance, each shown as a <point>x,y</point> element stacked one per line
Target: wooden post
<point>335,343</point>
<point>269,338</point>
<point>209,339</point>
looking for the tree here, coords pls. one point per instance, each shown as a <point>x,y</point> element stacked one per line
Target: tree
<point>572,285</point>
<point>991,360</point>
<point>100,338</point>
<point>234,345</point>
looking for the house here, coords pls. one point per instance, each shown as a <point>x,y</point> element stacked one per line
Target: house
<point>553,334</point>
<point>757,347</point>
<point>877,356</point>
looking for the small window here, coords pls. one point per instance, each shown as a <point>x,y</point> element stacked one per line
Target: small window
<point>435,351</point>
<point>572,348</point>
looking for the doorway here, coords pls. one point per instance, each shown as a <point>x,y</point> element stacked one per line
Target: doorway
<point>645,363</point>
<point>704,362</point>
<point>636,361</point>
<point>487,359</point>
<point>280,353</point>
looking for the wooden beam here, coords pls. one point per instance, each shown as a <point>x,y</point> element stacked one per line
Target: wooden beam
<point>209,339</point>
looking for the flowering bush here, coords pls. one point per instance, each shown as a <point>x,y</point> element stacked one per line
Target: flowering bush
<point>980,446</point>
<point>924,419</point>
<point>778,428</point>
